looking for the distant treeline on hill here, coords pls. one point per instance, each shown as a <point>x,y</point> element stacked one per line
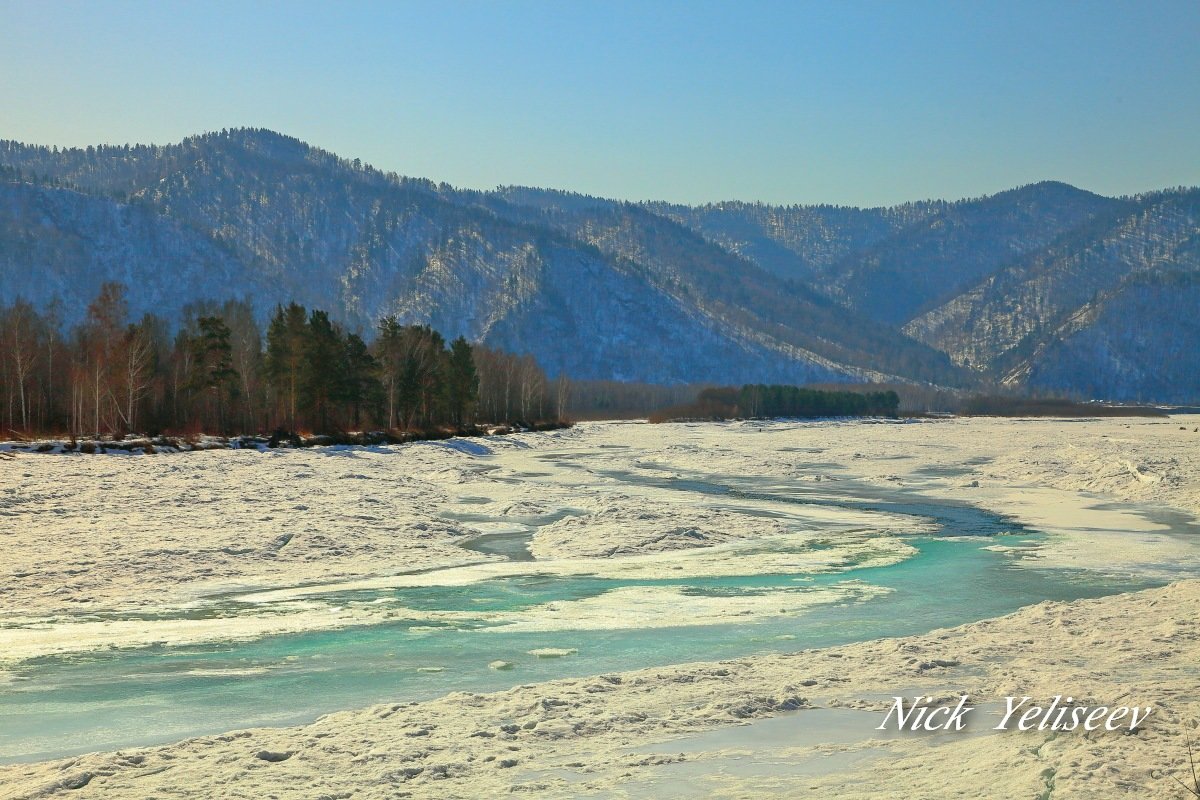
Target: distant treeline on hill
<point>220,373</point>
<point>759,401</point>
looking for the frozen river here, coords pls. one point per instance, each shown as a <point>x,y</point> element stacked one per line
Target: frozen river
<point>840,561</point>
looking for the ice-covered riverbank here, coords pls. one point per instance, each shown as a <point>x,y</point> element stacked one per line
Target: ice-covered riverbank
<point>131,551</point>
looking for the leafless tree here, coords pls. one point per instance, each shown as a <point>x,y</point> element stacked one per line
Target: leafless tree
<point>136,357</point>
<point>106,320</point>
<point>19,331</point>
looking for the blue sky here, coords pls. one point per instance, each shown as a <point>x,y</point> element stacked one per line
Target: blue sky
<point>857,103</point>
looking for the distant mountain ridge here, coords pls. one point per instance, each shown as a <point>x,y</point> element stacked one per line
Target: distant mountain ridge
<point>1018,288</point>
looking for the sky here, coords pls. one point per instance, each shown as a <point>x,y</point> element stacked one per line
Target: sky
<point>851,103</point>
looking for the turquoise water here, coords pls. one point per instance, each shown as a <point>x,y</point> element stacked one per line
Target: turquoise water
<point>118,699</point>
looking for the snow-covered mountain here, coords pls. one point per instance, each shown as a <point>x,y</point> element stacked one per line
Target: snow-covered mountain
<point>1015,287</point>
<point>252,213</point>
<point>1046,286</point>
<point>1106,309</point>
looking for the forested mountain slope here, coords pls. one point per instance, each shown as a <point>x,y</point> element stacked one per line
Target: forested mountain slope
<point>798,242</point>
<point>1046,285</point>
<point>61,244</point>
<point>298,223</point>
<point>732,288</point>
<point>1137,342</point>
<point>938,257</point>
<point>1005,323</point>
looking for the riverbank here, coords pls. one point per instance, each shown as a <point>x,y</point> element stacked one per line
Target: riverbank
<point>153,445</point>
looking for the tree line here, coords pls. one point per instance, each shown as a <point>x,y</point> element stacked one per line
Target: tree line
<point>219,372</point>
<point>757,400</point>
<point>761,401</point>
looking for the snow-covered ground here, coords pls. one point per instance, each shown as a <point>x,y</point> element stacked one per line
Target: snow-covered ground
<point>115,551</point>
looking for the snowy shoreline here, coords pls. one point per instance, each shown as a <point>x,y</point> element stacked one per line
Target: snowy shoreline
<point>152,445</point>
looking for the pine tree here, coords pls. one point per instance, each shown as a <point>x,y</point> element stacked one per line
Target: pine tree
<point>462,381</point>
<point>213,374</point>
<point>323,370</point>
<point>428,357</point>
<point>411,364</point>
<point>286,337</point>
<point>360,386</point>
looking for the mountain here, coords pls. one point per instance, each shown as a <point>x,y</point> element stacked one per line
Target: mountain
<point>60,243</point>
<point>1045,286</point>
<point>893,263</point>
<point>1070,314</point>
<point>300,223</point>
<point>727,287</point>
<point>1098,353</point>
<point>797,242</point>
<point>936,258</point>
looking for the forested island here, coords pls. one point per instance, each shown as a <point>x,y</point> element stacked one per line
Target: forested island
<point>220,373</point>
<point>758,401</point>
